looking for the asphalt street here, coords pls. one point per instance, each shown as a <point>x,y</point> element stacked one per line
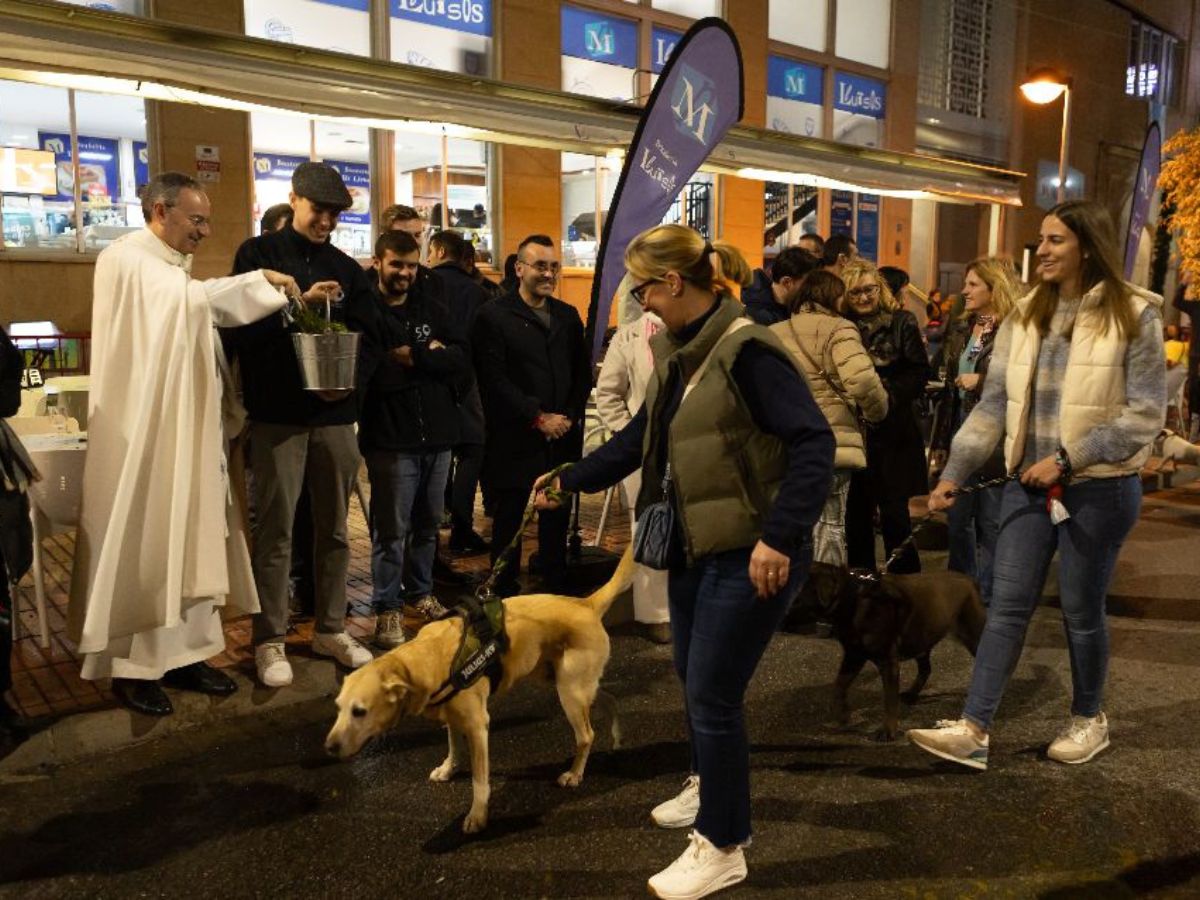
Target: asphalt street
<point>252,808</point>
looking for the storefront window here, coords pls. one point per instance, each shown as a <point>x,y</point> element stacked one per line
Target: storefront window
<point>864,31</point>
<point>801,23</point>
<point>693,205</point>
<point>859,106</point>
<point>282,142</point>
<point>588,184</point>
<point>37,171</point>
<point>339,25</point>
<point>794,96</point>
<point>599,54</point>
<point>464,205</point>
<point>454,36</point>
<point>693,9</point>
<point>662,45</point>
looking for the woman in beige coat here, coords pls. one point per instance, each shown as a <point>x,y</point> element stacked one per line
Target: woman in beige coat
<point>843,380</point>
<point>620,390</point>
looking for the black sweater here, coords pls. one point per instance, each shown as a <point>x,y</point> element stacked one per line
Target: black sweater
<point>271,385</point>
<point>411,409</point>
<point>781,404</point>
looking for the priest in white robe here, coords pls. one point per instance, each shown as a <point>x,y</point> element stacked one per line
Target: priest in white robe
<point>161,549</point>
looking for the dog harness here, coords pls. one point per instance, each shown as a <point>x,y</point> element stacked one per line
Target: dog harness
<point>482,644</point>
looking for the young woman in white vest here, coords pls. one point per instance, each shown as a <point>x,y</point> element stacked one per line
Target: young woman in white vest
<point>1077,391</point>
<point>730,439</point>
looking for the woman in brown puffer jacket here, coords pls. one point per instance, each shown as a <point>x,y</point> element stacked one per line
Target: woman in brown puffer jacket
<point>829,351</point>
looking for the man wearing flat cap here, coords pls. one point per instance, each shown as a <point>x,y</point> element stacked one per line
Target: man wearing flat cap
<point>298,436</point>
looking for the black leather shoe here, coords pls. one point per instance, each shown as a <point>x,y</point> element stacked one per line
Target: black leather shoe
<point>468,544</point>
<point>145,697</point>
<point>201,678</point>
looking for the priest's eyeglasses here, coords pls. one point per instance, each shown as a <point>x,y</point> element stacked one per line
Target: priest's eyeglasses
<point>196,221</point>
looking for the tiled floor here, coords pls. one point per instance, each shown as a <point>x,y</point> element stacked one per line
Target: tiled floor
<point>46,682</point>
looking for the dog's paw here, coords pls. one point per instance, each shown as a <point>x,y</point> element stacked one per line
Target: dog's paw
<point>444,772</point>
<point>569,779</point>
<point>475,822</point>
<point>885,735</point>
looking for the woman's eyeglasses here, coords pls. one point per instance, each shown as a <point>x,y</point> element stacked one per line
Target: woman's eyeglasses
<point>636,292</point>
<point>867,290</point>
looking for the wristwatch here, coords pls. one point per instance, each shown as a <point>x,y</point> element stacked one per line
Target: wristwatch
<point>1063,461</point>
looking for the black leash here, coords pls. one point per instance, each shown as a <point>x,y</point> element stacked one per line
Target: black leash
<point>928,517</point>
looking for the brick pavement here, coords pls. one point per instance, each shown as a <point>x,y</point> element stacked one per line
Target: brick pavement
<point>46,682</point>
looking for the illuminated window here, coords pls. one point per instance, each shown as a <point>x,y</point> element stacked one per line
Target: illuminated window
<point>864,31</point>
<point>801,23</point>
<point>1154,61</point>
<point>342,26</point>
<point>599,54</point>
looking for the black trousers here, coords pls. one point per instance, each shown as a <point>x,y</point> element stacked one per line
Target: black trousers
<point>894,523</point>
<point>460,489</point>
<point>510,507</point>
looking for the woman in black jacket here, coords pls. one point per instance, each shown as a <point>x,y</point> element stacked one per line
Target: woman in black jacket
<point>990,289</point>
<point>895,449</point>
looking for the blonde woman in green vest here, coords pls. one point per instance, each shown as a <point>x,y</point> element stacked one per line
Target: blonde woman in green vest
<point>730,437</point>
<point>1077,392</point>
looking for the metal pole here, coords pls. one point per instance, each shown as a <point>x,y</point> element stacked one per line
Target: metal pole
<point>445,223</point>
<point>77,192</point>
<point>1064,145</point>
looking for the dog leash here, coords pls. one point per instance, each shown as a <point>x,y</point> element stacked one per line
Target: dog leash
<point>485,591</point>
<point>928,517</point>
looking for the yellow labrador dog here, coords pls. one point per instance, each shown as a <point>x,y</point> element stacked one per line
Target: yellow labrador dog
<point>557,637</point>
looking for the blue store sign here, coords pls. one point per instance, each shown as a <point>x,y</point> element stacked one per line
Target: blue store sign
<point>856,94</point>
<point>141,163</point>
<point>662,45</point>
<point>791,80</point>
<point>606,39</point>
<point>866,235</point>
<point>357,177</point>
<point>99,165</point>
<point>473,16</point>
<point>841,212</point>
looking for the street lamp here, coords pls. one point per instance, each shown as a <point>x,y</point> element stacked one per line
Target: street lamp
<point>1044,86</point>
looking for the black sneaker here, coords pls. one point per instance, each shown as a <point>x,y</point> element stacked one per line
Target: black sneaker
<point>469,544</point>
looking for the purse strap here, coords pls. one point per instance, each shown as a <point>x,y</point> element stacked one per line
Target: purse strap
<point>833,386</point>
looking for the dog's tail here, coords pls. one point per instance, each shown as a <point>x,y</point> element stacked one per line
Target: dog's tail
<point>603,598</point>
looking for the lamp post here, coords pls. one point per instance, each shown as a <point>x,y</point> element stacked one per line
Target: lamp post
<point>1044,86</point>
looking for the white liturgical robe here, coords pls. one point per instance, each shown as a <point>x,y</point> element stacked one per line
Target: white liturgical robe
<point>161,547</point>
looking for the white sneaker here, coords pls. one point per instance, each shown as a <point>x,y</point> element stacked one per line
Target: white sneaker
<point>954,740</point>
<point>700,871</point>
<point>1080,741</point>
<point>345,649</point>
<point>681,810</point>
<point>272,664</point>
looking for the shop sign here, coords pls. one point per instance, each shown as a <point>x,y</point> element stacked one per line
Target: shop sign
<point>271,167</point>
<point>841,212</point>
<point>141,163</point>
<point>208,163</point>
<point>357,177</point>
<point>99,166</point>
<point>662,45</point>
<point>472,16</point>
<point>866,232</point>
<point>859,95</point>
<point>606,39</point>
<point>792,80</point>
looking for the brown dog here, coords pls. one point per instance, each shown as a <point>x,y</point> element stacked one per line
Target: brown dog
<point>888,619</point>
<point>558,637</point>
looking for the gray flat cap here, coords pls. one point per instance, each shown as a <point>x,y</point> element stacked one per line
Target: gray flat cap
<point>321,184</point>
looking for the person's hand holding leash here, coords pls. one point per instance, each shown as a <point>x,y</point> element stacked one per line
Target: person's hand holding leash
<point>547,492</point>
<point>769,570</point>
<point>1044,473</point>
<point>940,498</point>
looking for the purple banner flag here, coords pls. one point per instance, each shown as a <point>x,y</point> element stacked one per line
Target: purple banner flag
<point>698,97</point>
<point>1143,194</point>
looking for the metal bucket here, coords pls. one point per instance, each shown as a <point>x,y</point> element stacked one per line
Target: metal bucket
<point>328,362</point>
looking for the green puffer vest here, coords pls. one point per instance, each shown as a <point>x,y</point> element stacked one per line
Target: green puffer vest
<point>725,471</point>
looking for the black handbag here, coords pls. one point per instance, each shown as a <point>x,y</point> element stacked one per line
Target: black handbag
<point>653,541</point>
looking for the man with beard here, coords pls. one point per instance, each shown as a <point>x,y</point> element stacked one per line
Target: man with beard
<point>531,360</point>
<point>298,436</point>
<point>408,424</point>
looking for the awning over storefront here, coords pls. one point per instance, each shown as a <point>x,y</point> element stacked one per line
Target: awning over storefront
<point>108,53</point>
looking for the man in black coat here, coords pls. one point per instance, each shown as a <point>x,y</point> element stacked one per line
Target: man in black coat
<point>464,297</point>
<point>534,374</point>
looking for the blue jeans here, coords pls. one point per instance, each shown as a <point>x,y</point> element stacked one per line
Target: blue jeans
<point>408,492</point>
<point>1102,513</point>
<point>721,629</point>
<point>974,525</point>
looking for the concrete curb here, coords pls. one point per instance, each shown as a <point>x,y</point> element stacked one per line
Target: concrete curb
<point>81,735</point>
